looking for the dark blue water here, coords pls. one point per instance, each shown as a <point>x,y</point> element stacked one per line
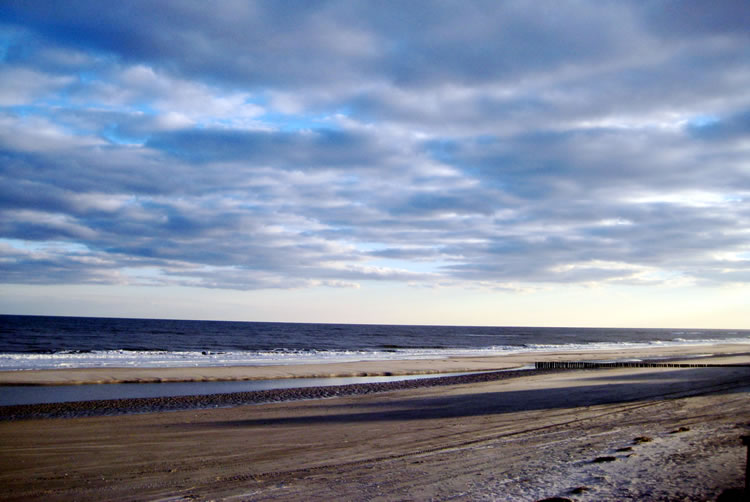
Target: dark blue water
<point>43,334</point>
<point>34,342</point>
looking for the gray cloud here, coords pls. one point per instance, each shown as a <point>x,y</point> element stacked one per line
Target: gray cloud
<point>285,145</point>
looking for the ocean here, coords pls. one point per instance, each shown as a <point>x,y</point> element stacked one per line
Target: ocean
<point>44,342</point>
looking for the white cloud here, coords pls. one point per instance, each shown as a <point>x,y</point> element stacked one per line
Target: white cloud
<point>23,86</point>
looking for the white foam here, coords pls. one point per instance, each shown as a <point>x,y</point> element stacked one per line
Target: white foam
<point>152,359</point>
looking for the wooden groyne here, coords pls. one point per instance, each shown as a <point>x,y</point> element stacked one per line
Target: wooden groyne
<point>585,365</point>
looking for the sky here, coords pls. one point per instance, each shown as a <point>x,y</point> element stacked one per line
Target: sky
<point>547,163</point>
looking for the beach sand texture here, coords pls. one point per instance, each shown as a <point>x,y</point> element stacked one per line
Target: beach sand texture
<point>518,439</point>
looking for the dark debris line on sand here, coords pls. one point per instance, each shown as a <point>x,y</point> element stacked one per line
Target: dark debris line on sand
<point>157,404</point>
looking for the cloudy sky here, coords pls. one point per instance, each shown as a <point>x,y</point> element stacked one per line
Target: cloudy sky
<point>434,162</point>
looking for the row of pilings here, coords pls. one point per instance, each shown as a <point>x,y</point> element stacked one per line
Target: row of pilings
<point>578,365</point>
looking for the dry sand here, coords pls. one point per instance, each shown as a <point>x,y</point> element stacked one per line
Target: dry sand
<point>517,439</point>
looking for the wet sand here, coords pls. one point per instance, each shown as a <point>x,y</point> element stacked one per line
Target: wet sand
<point>176,403</point>
<point>520,438</point>
<point>346,369</point>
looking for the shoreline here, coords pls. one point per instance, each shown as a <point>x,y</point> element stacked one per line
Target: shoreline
<point>399,367</point>
<point>725,356</point>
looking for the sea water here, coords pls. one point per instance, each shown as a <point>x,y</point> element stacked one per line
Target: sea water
<point>42,342</point>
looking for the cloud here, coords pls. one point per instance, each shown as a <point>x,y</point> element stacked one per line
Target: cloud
<point>299,144</point>
<point>302,149</point>
<point>22,86</point>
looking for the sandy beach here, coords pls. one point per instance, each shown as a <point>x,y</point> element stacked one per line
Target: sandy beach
<point>347,369</point>
<point>568,433</point>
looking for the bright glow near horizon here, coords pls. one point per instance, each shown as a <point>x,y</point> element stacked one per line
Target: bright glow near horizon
<point>422,162</point>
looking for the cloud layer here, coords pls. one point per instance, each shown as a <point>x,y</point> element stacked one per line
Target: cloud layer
<point>291,144</point>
